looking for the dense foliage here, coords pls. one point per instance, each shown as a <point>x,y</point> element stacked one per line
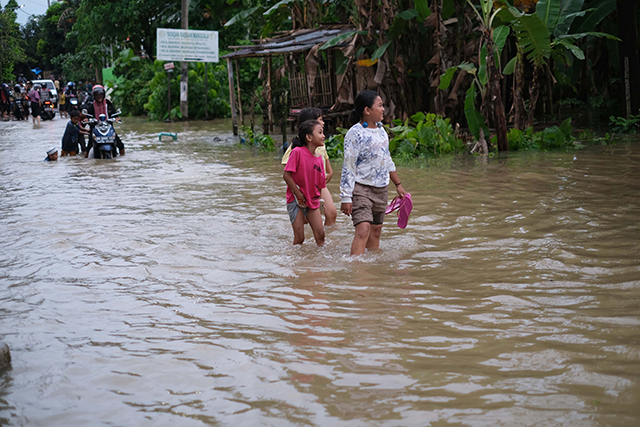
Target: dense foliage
<point>477,63</point>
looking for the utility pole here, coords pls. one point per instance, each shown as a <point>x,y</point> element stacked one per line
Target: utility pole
<point>184,67</point>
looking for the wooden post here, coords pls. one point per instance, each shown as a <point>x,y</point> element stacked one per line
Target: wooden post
<point>627,86</point>
<point>270,100</point>
<point>239,95</point>
<point>206,91</point>
<point>169,95</point>
<point>232,96</point>
<point>184,66</point>
<point>331,56</point>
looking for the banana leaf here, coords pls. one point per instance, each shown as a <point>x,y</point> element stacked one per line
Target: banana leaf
<point>577,52</point>
<point>510,67</point>
<point>422,6</point>
<point>569,10</point>
<point>600,9</point>
<point>474,118</point>
<point>500,35</point>
<point>533,37</point>
<point>380,51</point>
<point>276,6</point>
<point>242,16</point>
<point>339,38</point>
<point>445,79</point>
<point>549,11</point>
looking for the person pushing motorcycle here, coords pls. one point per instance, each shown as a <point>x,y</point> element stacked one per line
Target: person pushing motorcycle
<point>101,105</point>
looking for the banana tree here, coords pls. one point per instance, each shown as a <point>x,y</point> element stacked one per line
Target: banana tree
<point>534,44</point>
<point>492,99</point>
<point>559,17</point>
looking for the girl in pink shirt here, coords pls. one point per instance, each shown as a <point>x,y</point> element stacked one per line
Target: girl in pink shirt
<point>305,178</point>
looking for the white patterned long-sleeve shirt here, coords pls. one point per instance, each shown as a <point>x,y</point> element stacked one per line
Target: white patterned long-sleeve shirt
<point>367,159</point>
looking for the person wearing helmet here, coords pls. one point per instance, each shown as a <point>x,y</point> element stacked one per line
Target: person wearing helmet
<point>18,112</point>
<point>70,89</point>
<point>101,105</point>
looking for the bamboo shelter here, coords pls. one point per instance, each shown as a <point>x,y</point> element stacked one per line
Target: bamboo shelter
<point>316,84</point>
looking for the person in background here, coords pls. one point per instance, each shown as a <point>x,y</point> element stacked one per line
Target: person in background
<point>18,112</point>
<point>366,172</point>
<point>57,84</point>
<point>70,89</point>
<point>36,103</point>
<point>305,178</point>
<point>62,104</point>
<point>52,155</point>
<point>25,105</point>
<point>5,104</point>
<point>70,139</point>
<point>330,211</point>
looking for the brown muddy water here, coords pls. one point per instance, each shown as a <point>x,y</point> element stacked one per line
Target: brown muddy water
<point>162,289</point>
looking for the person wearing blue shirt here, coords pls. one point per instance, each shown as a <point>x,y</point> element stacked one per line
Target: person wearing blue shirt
<point>71,133</point>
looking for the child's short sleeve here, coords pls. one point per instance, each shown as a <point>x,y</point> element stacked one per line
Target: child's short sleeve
<point>294,160</point>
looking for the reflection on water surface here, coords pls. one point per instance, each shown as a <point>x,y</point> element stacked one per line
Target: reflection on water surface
<point>161,288</point>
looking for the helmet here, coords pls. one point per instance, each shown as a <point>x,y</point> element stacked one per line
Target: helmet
<point>4,85</point>
<point>37,86</point>
<point>97,90</point>
<point>71,84</point>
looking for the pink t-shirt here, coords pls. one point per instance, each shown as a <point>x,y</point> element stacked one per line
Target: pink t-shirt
<point>307,171</point>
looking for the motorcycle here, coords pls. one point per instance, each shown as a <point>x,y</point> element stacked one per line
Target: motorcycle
<point>48,111</point>
<point>17,108</point>
<point>73,103</point>
<point>103,135</point>
<point>86,98</point>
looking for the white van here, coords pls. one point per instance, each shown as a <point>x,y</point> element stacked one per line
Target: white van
<point>48,84</point>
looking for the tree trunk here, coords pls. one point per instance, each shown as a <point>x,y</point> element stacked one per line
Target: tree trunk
<point>437,42</point>
<point>495,97</point>
<point>534,91</point>
<point>550,83</point>
<point>518,101</point>
<point>628,32</point>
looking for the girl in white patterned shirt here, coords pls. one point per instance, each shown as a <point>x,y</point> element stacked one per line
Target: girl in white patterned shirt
<point>366,172</point>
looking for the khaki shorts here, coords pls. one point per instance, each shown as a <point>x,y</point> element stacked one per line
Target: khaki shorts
<point>369,204</point>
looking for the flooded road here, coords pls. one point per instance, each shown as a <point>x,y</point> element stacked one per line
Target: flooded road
<point>161,289</point>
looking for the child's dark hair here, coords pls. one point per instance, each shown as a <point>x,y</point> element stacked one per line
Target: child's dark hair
<point>306,128</point>
<point>74,113</point>
<point>364,99</point>
<point>309,113</point>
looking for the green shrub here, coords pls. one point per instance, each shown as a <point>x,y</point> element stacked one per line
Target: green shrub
<point>263,142</point>
<point>423,135</point>
<point>334,144</point>
<point>218,93</point>
<point>624,125</point>
<point>552,138</point>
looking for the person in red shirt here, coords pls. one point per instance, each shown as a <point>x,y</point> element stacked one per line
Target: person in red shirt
<point>305,178</point>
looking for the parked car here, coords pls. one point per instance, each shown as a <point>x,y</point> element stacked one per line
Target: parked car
<point>48,84</point>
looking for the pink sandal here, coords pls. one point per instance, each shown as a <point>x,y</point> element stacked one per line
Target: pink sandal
<point>403,206</point>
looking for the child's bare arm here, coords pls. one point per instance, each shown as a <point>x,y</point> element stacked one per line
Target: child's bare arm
<point>288,178</point>
<point>329,171</point>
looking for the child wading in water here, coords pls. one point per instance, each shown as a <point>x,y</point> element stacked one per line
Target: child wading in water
<point>366,171</point>
<point>305,178</point>
<point>330,211</point>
